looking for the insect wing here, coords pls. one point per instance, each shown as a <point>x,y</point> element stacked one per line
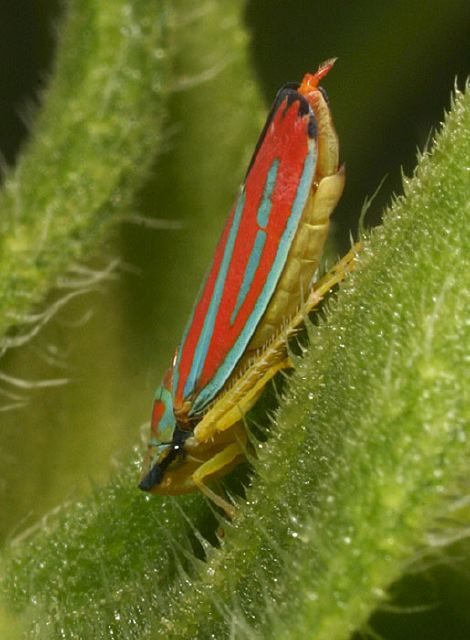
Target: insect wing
<point>251,253</point>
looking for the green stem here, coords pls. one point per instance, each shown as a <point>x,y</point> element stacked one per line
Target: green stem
<point>93,143</point>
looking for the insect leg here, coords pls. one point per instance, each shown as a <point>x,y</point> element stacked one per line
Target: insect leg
<point>222,462</point>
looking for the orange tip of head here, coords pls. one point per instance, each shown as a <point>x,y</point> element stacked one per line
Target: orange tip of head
<point>311,80</point>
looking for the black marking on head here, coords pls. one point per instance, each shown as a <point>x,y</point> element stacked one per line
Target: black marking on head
<point>156,473</point>
<point>312,126</point>
<point>153,477</point>
<point>289,92</point>
<point>293,96</point>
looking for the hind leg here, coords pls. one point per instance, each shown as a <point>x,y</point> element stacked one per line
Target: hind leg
<point>220,464</point>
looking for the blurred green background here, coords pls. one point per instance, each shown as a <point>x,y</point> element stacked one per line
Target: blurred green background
<point>398,63</point>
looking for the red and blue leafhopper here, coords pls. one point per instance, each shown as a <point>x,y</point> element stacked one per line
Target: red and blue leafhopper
<point>256,293</point>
